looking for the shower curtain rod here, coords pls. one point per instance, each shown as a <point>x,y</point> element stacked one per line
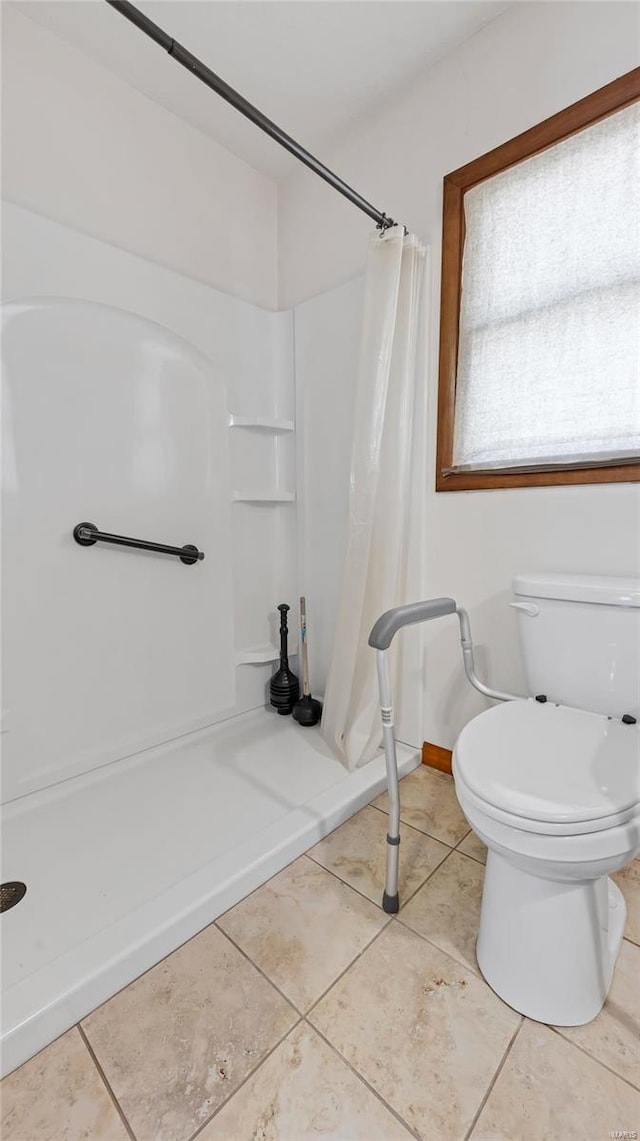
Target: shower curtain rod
<point>209,77</point>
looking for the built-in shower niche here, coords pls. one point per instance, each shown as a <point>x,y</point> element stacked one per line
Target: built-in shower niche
<point>262,460</point>
<point>263,481</point>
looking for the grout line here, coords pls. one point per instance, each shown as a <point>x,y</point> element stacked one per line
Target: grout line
<point>303,1014</point>
<point>315,1002</point>
<point>466,856</point>
<point>345,883</point>
<point>457,848</point>
<point>378,808</point>
<point>103,1076</point>
<point>406,824</point>
<point>32,1058</point>
<point>433,871</point>
<point>422,831</point>
<point>255,890</point>
<point>368,897</point>
<point>470,857</point>
<point>494,1079</point>
<point>260,971</point>
<point>593,1058</point>
<point>163,959</point>
<point>415,891</point>
<point>363,1081</point>
<point>476,971</point>
<point>463,838</point>
<point>301,1017</point>
<point>339,977</point>
<point>436,946</point>
<point>244,1081</point>
<point>403,823</point>
<point>308,852</point>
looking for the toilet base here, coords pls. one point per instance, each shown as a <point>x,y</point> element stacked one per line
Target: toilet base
<point>548,948</point>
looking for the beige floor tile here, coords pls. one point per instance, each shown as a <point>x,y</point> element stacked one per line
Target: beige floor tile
<point>303,928</point>
<point>426,1033</point>
<point>428,802</point>
<point>446,910</point>
<point>357,852</point>
<point>59,1096</point>
<point>548,1090</point>
<point>472,846</point>
<point>304,1092</point>
<point>614,1036</point>
<point>628,880</point>
<point>177,1042</point>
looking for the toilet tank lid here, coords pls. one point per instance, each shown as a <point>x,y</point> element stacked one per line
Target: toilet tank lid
<point>607,590</point>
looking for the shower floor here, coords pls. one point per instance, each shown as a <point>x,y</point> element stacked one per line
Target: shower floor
<point>125,863</point>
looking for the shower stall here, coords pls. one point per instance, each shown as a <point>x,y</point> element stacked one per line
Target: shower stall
<point>154,488</point>
<point>146,784</point>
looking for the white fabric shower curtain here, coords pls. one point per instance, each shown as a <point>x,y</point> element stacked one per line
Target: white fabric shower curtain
<point>375,572</point>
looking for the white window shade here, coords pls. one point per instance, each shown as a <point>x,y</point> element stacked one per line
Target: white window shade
<point>549,346</point>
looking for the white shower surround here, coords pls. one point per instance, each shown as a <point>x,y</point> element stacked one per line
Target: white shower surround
<point>111,420</point>
<point>125,861</point>
<point>250,352</point>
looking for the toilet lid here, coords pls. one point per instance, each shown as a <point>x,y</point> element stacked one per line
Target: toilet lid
<point>550,763</point>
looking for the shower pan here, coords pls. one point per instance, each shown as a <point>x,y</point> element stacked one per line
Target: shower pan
<point>125,863</point>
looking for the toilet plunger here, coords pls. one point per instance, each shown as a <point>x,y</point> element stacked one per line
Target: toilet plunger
<point>307,710</point>
<point>284,689</point>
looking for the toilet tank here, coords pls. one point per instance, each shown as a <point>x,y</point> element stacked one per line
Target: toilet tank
<point>580,639</point>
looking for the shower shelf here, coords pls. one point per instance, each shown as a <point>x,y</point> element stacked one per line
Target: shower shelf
<point>257,655</point>
<point>275,496</point>
<point>263,424</point>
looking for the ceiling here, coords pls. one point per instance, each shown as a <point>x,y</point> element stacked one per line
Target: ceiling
<point>316,67</point>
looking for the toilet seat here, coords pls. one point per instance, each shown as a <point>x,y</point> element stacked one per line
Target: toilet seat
<point>550,769</point>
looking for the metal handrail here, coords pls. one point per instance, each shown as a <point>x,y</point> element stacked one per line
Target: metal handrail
<point>380,640</point>
<point>87,534</point>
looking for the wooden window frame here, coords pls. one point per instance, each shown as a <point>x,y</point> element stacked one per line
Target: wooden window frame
<point>606,101</point>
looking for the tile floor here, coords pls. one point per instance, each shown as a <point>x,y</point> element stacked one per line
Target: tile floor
<point>305,1013</point>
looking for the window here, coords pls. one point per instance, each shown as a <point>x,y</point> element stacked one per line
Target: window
<point>540,312</point>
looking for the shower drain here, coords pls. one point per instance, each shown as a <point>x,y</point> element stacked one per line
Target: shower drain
<point>11,893</point>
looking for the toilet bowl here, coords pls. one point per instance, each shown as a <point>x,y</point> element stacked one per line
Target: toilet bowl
<point>553,793</point>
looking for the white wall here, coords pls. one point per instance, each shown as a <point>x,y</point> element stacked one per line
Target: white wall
<point>526,65</point>
<point>82,147</point>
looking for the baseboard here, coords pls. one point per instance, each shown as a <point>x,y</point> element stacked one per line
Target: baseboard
<point>436,757</point>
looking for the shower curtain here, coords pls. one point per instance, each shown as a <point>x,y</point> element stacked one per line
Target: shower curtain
<point>376,564</point>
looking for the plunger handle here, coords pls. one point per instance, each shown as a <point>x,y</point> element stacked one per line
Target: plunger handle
<point>303,640</point>
<point>284,649</point>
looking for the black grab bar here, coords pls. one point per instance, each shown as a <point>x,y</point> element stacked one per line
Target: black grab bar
<point>86,534</point>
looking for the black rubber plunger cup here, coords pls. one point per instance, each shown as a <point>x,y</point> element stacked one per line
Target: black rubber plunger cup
<point>285,689</point>
<point>307,711</point>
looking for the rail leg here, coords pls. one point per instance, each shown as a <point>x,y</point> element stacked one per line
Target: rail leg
<point>390,898</point>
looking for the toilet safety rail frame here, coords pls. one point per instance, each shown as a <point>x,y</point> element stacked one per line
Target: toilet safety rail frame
<point>380,639</point>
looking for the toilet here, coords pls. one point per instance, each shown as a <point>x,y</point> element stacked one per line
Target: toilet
<point>551,785</point>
